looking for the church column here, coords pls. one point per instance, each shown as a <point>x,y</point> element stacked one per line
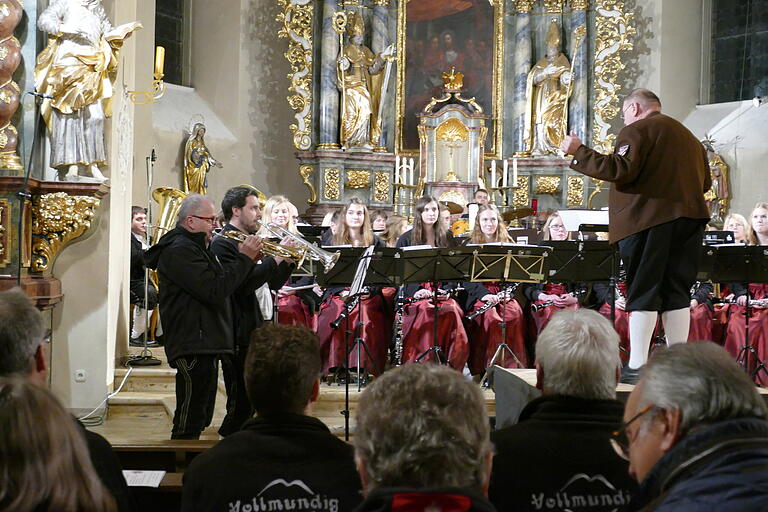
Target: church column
<point>577,111</point>
<point>522,65</point>
<point>329,93</point>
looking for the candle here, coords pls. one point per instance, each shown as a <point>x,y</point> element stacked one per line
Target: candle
<point>159,61</point>
<point>493,174</point>
<point>504,179</point>
<point>397,169</point>
<point>514,171</point>
<point>412,173</point>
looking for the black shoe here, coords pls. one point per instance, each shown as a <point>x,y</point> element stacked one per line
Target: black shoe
<point>630,375</point>
<point>139,342</point>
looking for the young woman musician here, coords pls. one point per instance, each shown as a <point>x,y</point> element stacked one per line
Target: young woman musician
<point>757,293</point>
<point>294,307</point>
<point>396,226</point>
<point>484,329</point>
<point>354,228</point>
<point>548,298</point>
<point>417,315</point>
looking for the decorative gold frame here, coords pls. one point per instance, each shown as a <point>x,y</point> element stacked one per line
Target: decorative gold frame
<point>497,109</point>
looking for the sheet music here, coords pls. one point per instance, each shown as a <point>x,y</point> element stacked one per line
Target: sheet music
<point>136,478</point>
<point>416,247</point>
<point>572,219</point>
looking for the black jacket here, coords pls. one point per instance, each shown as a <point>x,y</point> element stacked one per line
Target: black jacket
<point>412,500</point>
<point>409,289</point>
<point>246,313</point>
<point>279,459</point>
<point>194,293</point>
<point>721,467</point>
<point>559,452</point>
<point>137,261</point>
<point>107,467</point>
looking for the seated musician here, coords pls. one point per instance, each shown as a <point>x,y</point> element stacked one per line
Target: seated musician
<point>396,226</point>
<point>484,330</point>
<point>354,229</point>
<point>379,221</point>
<point>757,294</point>
<point>548,298</point>
<point>417,317</point>
<point>702,323</point>
<point>738,225</point>
<point>293,307</point>
<point>331,220</point>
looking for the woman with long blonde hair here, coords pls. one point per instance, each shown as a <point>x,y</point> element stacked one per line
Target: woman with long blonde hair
<point>277,210</point>
<point>484,330</point>
<point>44,461</point>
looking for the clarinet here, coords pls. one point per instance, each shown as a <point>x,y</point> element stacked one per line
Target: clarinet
<point>539,307</point>
<point>755,303</point>
<point>351,304</point>
<point>508,290</point>
<point>398,337</point>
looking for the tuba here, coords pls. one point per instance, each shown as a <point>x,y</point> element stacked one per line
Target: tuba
<point>169,199</point>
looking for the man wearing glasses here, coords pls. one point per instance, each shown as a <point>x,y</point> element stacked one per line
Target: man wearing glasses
<point>695,434</point>
<point>658,172</point>
<point>195,291</point>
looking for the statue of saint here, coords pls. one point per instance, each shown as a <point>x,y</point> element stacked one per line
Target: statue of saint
<point>719,195</point>
<point>77,70</point>
<point>197,162</point>
<point>547,91</point>
<point>360,72</point>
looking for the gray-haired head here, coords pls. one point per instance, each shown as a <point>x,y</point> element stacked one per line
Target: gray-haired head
<point>645,97</point>
<point>21,332</point>
<point>422,426</point>
<point>191,205</point>
<point>578,353</point>
<point>703,382</point>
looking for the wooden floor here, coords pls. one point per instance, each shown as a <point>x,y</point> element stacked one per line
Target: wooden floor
<point>142,411</point>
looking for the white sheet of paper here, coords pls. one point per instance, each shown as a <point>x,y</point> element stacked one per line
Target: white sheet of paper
<point>574,218</point>
<point>136,478</point>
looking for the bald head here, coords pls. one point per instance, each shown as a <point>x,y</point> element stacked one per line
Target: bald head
<point>639,104</point>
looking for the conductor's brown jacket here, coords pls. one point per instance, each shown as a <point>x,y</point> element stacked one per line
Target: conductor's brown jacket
<point>658,173</point>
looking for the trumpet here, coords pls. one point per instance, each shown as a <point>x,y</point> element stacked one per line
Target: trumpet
<point>327,258</point>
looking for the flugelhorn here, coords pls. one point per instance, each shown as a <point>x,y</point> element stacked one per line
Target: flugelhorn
<point>327,258</point>
<point>270,248</point>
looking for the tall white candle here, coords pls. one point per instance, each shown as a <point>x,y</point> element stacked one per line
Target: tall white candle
<point>514,171</point>
<point>504,178</point>
<point>413,182</point>
<point>397,169</point>
<point>493,174</point>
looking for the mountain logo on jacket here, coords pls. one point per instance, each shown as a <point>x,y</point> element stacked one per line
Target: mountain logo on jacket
<point>280,494</point>
<point>581,493</point>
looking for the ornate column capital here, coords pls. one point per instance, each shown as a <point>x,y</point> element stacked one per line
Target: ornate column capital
<point>579,5</point>
<point>524,6</point>
<point>554,6</point>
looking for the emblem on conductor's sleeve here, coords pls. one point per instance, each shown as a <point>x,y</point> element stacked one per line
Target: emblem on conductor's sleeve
<point>623,150</point>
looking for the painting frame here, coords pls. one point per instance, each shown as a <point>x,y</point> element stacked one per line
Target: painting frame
<point>495,122</point>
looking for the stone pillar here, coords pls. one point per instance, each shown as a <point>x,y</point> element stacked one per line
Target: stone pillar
<point>522,65</point>
<point>578,108</point>
<point>329,92</point>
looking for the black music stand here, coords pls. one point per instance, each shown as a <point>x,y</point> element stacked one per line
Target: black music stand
<point>504,264</point>
<point>744,264</point>
<point>435,265</point>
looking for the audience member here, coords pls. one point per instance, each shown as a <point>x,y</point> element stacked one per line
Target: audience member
<point>282,459</point>
<point>421,442</point>
<point>562,437</point>
<point>695,434</point>
<point>139,244</point>
<point>24,353</point>
<point>43,457</point>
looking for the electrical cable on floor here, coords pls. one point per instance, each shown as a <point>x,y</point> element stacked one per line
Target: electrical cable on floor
<point>99,420</point>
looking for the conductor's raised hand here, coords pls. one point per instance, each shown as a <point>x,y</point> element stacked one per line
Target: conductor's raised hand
<point>570,144</point>
<point>251,247</point>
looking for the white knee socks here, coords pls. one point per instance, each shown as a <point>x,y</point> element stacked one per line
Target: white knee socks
<point>676,325</point>
<point>641,325</point>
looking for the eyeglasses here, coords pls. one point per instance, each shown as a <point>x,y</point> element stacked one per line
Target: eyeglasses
<point>624,110</point>
<point>209,219</point>
<point>619,439</point>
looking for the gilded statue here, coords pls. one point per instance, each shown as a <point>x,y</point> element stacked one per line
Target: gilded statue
<point>547,91</point>
<point>197,162</point>
<point>718,197</point>
<point>77,70</point>
<point>362,82</point>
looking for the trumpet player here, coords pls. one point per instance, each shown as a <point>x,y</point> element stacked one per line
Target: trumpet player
<point>194,304</point>
<point>242,213</point>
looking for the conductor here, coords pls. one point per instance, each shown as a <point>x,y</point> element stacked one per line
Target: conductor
<point>658,173</point>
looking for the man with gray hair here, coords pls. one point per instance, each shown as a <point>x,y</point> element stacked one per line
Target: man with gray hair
<point>421,442</point>
<point>563,435</point>
<point>194,305</point>
<point>695,434</point>
<point>24,352</point>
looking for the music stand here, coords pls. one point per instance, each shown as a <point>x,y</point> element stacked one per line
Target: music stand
<point>744,264</point>
<point>435,265</point>
<point>503,264</point>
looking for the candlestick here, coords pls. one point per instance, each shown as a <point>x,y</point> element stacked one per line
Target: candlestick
<point>514,171</point>
<point>159,61</point>
<point>504,179</point>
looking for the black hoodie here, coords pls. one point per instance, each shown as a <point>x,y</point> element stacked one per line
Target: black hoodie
<point>195,292</point>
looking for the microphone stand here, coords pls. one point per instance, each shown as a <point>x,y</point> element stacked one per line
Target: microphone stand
<point>145,358</point>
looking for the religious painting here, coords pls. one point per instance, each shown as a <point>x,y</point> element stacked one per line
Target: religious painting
<point>437,35</point>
